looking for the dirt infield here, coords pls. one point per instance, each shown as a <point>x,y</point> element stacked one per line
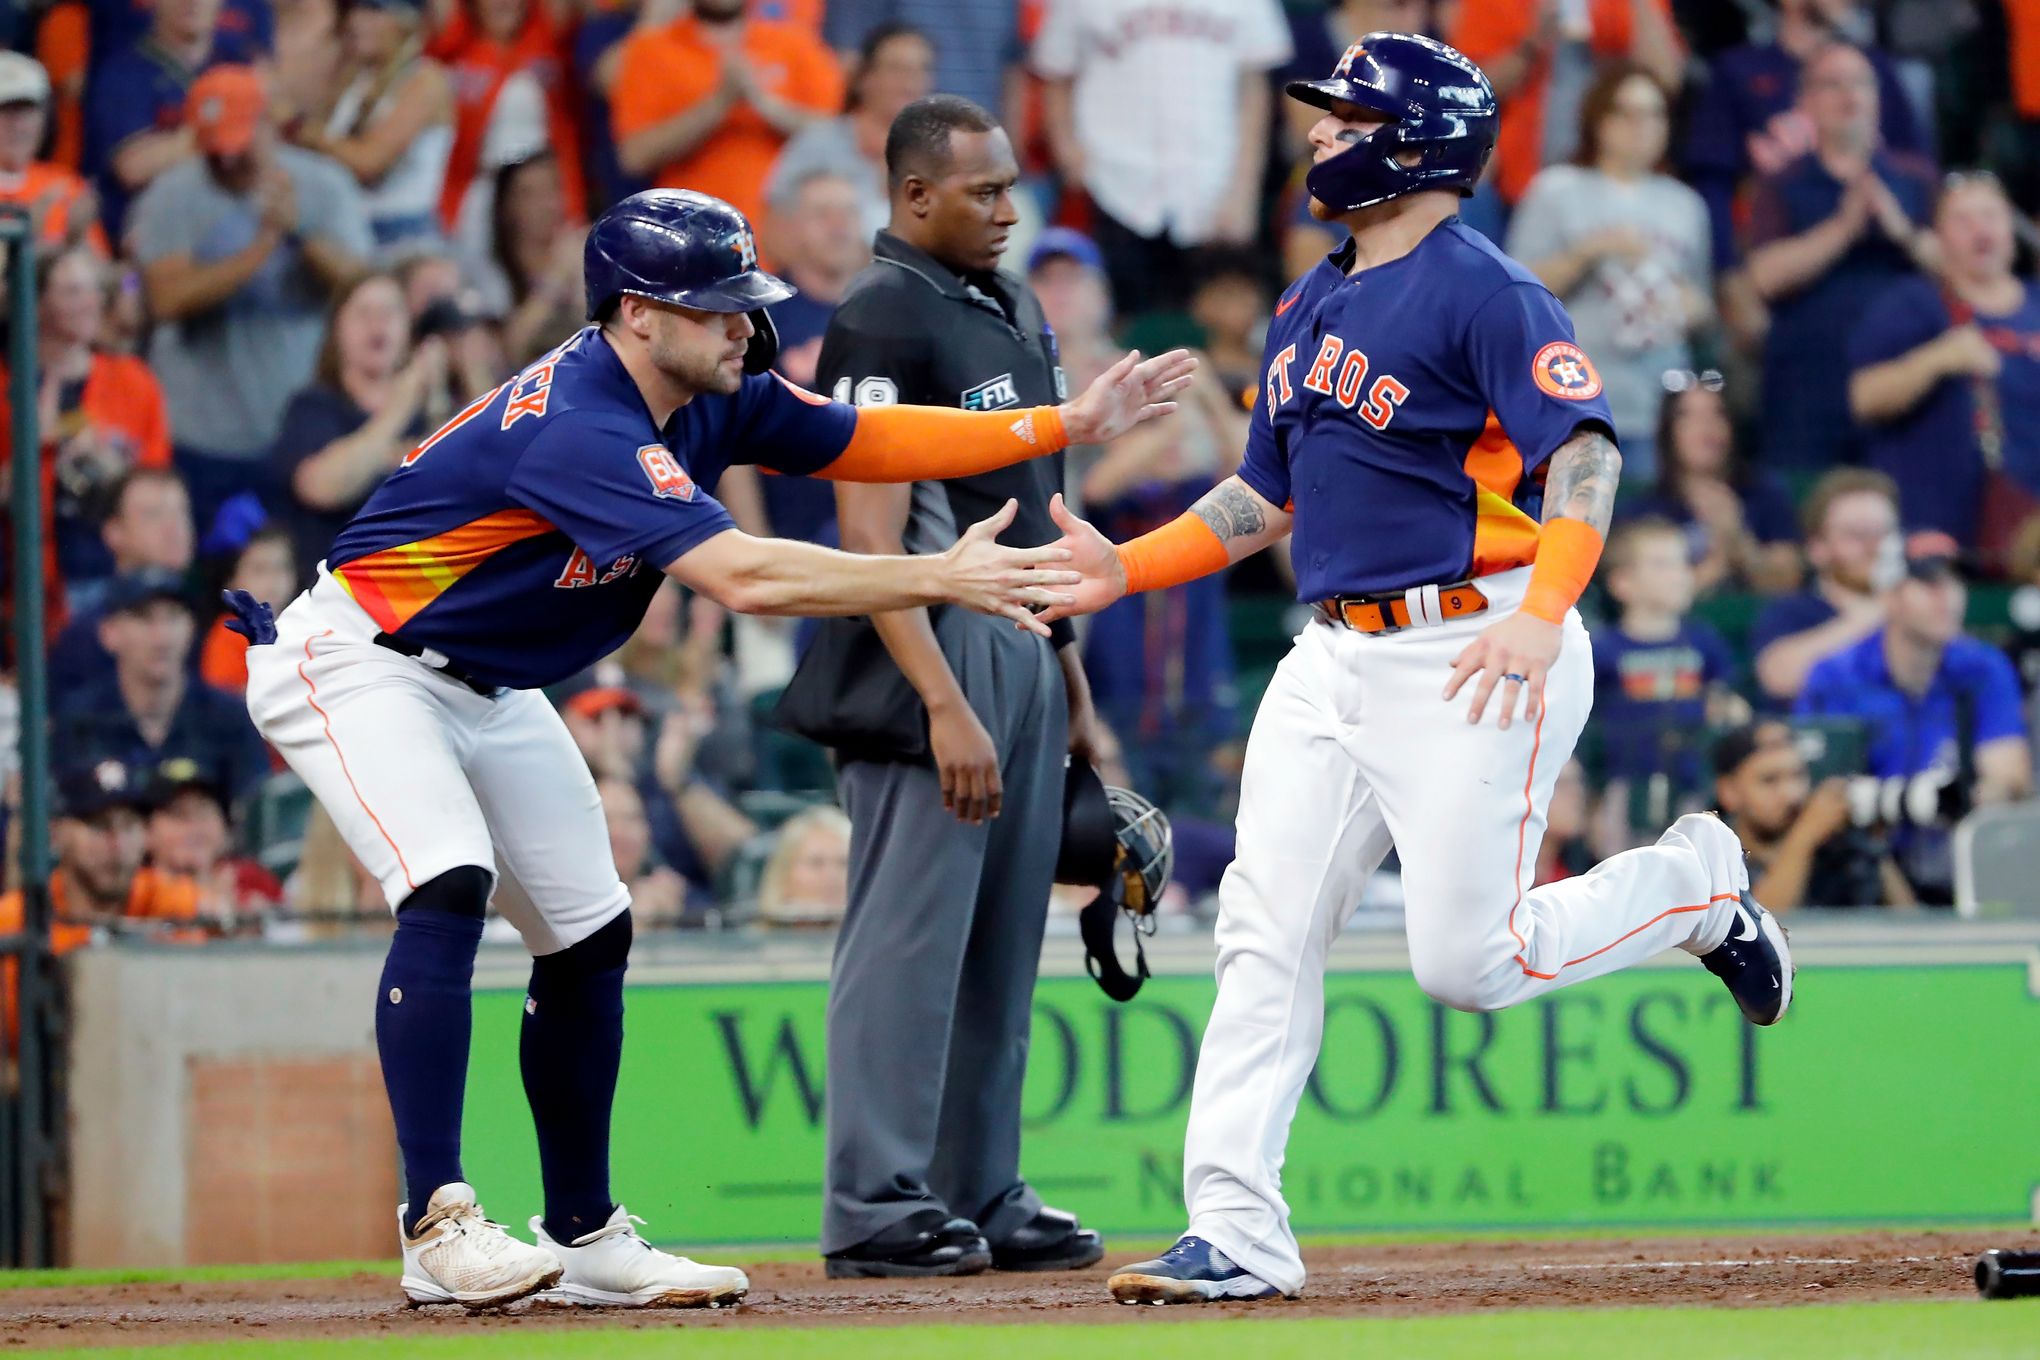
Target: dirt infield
<point>1427,1278</point>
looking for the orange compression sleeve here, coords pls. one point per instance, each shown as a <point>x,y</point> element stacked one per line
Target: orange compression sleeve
<point>1567,551</point>
<point>932,443</point>
<point>1182,550</point>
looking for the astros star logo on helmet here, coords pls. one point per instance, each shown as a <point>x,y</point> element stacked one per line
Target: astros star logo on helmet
<point>746,247</point>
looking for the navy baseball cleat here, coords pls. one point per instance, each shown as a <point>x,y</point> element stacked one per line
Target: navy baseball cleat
<point>1192,1271</point>
<point>1756,963</point>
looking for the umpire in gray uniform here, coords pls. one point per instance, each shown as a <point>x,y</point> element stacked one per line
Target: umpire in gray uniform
<point>955,829</point>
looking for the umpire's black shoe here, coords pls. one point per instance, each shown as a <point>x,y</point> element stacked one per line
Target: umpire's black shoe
<point>1051,1240</point>
<point>925,1242</point>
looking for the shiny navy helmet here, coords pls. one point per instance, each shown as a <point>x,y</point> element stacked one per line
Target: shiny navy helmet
<point>1438,103</point>
<point>686,248</point>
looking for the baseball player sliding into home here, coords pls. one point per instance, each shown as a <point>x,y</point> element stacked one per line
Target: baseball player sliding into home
<point>1423,397</point>
<point>512,549</point>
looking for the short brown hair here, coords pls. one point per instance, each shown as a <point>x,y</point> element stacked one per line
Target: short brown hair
<point>117,493</point>
<point>1833,486</point>
<point>1599,101</point>
<point>1955,181</point>
<point>1621,552</point>
<point>328,368</point>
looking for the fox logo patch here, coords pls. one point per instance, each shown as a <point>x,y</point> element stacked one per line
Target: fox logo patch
<point>994,394</point>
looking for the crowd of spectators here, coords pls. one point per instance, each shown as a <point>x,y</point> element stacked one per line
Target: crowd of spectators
<point>282,240</point>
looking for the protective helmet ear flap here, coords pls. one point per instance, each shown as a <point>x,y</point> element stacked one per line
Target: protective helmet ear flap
<point>764,349</point>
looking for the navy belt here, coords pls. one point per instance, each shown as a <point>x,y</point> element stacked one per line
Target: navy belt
<point>437,661</point>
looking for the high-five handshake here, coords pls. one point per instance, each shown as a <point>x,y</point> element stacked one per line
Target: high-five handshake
<point>1031,586</point>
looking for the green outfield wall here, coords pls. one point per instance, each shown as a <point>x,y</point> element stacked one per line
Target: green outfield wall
<point>1894,1092</point>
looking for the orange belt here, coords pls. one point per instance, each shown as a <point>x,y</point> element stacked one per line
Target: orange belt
<point>1391,613</point>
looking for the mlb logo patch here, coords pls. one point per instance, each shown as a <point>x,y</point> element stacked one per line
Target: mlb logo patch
<point>1562,369</point>
<point>669,480</point>
<point>993,395</point>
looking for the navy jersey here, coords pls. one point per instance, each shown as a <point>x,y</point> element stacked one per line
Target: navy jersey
<point>524,539</point>
<point>1406,414</point>
<point>1933,450</point>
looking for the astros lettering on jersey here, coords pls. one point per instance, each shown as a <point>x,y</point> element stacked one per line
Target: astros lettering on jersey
<point>525,538</point>
<point>1407,411</point>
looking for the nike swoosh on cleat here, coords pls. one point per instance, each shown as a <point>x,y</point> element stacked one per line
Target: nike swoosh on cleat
<point>1749,931</point>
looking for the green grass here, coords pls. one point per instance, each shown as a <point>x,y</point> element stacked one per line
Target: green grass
<point>286,1270</point>
<point>777,1252</point>
<point>1890,1331</point>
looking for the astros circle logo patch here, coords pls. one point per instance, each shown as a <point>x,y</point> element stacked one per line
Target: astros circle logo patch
<point>1562,369</point>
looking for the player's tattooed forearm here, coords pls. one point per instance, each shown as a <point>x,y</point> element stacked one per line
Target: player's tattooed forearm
<point>1231,511</point>
<point>1584,474</point>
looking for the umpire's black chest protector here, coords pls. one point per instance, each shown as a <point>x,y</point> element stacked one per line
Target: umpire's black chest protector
<point>911,330</point>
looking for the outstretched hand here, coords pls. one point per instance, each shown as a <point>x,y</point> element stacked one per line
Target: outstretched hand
<point>981,574</point>
<point>1093,558</point>
<point>1124,395</point>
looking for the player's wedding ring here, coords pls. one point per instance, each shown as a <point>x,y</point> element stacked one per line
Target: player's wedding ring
<point>1519,679</point>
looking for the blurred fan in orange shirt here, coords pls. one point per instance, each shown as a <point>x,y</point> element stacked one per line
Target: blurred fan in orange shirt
<point>266,568</point>
<point>101,416</point>
<point>100,882</point>
<point>190,835</point>
<point>59,199</point>
<point>707,101</point>
<point>63,44</point>
<point>521,49</point>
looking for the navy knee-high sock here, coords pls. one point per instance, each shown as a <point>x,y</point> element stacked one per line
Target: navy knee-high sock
<point>569,1051</point>
<point>423,1020</point>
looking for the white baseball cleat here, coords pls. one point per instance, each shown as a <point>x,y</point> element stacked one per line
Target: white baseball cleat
<point>459,1256</point>
<point>613,1267</point>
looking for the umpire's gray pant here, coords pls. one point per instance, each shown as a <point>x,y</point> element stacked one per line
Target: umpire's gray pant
<point>933,983</point>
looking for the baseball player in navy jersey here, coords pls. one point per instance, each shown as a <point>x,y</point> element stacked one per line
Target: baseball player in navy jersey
<point>1437,447</point>
<point>512,549</point>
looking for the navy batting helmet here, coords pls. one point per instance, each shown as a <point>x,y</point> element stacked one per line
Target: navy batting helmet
<point>1438,103</point>
<point>678,246</point>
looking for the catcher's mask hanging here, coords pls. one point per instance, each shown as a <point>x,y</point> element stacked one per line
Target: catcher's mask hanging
<point>1120,843</point>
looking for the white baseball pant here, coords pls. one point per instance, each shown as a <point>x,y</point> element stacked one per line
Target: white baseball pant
<point>422,774</point>
<point>1353,750</point>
